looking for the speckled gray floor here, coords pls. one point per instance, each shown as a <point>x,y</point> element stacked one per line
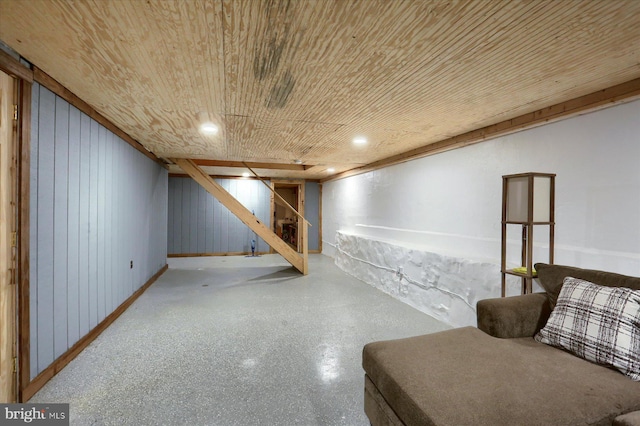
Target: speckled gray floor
<point>236,341</point>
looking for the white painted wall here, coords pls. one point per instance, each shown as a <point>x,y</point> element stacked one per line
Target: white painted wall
<point>450,203</point>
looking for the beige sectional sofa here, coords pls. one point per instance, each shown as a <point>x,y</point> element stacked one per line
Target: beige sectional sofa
<point>498,374</point>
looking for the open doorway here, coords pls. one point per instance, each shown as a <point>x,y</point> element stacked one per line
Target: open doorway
<point>285,222</point>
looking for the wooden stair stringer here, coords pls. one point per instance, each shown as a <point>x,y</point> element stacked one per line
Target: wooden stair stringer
<point>242,213</point>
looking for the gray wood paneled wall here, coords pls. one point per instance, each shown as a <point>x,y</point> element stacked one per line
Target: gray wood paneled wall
<point>312,213</point>
<point>199,224</point>
<point>97,205</point>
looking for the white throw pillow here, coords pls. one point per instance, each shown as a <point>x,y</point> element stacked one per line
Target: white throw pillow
<point>596,323</point>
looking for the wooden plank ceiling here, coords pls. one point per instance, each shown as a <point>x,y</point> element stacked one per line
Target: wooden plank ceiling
<point>299,79</point>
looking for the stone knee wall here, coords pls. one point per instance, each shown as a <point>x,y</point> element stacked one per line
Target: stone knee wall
<point>444,287</point>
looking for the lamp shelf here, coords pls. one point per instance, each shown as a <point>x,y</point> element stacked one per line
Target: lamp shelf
<point>528,223</point>
<point>520,274</point>
<point>528,200</point>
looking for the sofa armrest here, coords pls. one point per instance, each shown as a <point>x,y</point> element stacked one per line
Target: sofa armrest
<point>629,419</point>
<point>511,317</point>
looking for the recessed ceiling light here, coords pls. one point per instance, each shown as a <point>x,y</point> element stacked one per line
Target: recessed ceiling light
<point>360,140</point>
<point>208,128</point>
<point>246,174</point>
<point>331,170</point>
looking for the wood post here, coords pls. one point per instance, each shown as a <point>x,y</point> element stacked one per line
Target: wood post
<point>8,239</point>
<point>305,246</point>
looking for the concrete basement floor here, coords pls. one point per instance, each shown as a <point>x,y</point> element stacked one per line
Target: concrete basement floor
<point>236,341</point>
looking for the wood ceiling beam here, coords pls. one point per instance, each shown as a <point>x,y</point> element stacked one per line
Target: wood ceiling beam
<point>271,166</point>
<point>316,169</point>
<point>622,93</point>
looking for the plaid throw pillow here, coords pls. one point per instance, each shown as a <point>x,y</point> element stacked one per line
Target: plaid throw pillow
<point>599,324</point>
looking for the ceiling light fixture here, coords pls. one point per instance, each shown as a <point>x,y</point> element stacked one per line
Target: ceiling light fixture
<point>360,140</point>
<point>208,128</point>
<point>246,174</point>
<point>331,170</point>
<point>297,161</point>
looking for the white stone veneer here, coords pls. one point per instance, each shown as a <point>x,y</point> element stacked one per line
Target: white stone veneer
<point>444,287</point>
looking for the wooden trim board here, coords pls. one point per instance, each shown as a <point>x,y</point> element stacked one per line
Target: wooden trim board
<point>184,175</point>
<point>14,68</point>
<point>272,206</point>
<point>272,210</point>
<point>305,246</point>
<point>24,76</point>
<point>319,219</point>
<point>238,253</point>
<point>81,344</point>
<point>242,164</point>
<point>8,261</point>
<point>260,253</point>
<point>242,213</point>
<point>237,177</point>
<point>625,92</point>
<point>24,155</point>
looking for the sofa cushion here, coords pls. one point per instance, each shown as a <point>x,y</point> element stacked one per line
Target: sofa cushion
<point>464,376</point>
<point>629,419</point>
<point>552,276</point>
<point>515,316</point>
<point>599,324</point>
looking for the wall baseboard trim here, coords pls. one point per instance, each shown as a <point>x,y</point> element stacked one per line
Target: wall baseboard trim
<point>239,253</point>
<point>41,379</point>
<point>235,253</point>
